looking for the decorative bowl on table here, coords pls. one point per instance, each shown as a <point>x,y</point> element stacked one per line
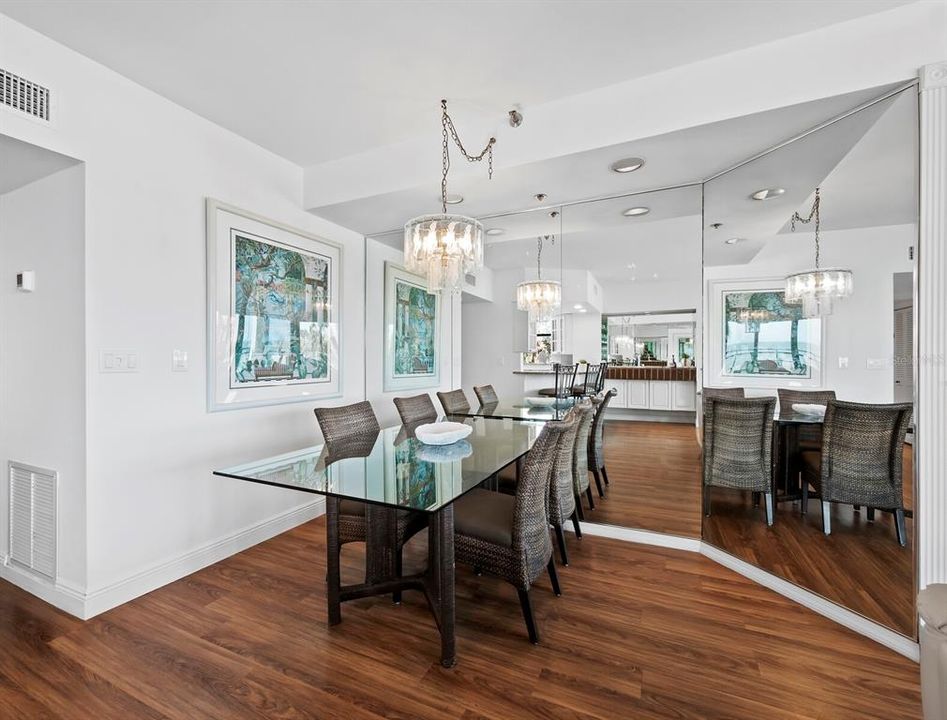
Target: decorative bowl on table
<point>444,453</point>
<point>810,410</point>
<point>442,433</point>
<point>541,401</point>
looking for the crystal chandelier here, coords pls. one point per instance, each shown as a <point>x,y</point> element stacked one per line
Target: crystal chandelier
<point>442,247</point>
<point>540,298</point>
<point>752,318</point>
<point>817,288</point>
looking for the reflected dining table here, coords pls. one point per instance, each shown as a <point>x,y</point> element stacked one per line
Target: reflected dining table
<point>389,472</point>
<point>518,408</point>
<point>785,426</point>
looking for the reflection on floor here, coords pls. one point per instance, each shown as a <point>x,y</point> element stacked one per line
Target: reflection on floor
<point>654,469</point>
<point>639,633</point>
<point>860,565</point>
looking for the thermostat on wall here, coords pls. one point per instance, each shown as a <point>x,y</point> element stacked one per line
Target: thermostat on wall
<point>26,281</point>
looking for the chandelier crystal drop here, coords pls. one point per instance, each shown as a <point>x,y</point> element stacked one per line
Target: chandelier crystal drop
<point>445,247</point>
<point>817,289</point>
<point>540,298</point>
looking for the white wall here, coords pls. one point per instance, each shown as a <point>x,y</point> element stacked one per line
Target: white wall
<point>652,295</point>
<point>42,336</point>
<point>862,326</point>
<point>487,330</point>
<point>155,511</point>
<point>584,336</point>
<point>376,255</point>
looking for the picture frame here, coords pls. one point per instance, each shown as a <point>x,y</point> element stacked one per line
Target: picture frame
<point>412,352</point>
<point>273,312</point>
<point>766,348</point>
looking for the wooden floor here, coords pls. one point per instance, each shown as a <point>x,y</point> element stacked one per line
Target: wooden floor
<point>655,485</point>
<point>639,632</point>
<point>655,474</point>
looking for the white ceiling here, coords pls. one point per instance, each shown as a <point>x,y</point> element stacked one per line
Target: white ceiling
<point>314,81</point>
<point>24,163</point>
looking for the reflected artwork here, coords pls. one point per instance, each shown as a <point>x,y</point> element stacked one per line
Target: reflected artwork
<point>415,330</point>
<point>763,335</point>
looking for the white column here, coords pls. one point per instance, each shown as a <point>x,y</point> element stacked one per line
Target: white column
<point>931,411</point>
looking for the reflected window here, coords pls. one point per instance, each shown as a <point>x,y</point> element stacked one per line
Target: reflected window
<point>765,336</point>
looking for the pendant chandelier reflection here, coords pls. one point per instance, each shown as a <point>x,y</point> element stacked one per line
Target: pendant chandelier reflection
<point>540,298</point>
<point>752,318</point>
<point>444,247</point>
<point>818,288</point>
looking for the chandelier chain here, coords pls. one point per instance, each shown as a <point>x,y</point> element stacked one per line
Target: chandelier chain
<point>450,132</point>
<point>813,214</point>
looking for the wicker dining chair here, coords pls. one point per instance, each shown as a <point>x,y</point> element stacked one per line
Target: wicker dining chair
<point>597,443</point>
<point>486,394</point>
<point>562,507</point>
<point>733,393</point>
<point>454,402</point>
<point>589,381</point>
<point>738,447</point>
<point>351,430</point>
<point>416,409</point>
<point>565,381</point>
<point>809,436</point>
<point>860,460</point>
<point>508,536</point>
<point>580,461</point>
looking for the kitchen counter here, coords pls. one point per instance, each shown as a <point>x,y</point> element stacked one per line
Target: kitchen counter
<point>651,372</point>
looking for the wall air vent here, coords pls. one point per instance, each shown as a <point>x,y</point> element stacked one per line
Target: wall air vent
<point>24,95</point>
<point>470,279</point>
<point>33,524</point>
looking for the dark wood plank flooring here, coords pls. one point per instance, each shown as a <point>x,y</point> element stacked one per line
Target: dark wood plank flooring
<point>640,632</point>
<point>655,485</point>
<point>654,470</point>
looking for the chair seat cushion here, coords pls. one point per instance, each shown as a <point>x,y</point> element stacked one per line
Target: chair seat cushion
<point>547,392</point>
<point>351,507</point>
<point>811,461</point>
<point>485,515</point>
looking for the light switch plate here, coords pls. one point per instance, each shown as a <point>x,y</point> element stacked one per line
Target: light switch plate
<point>119,361</point>
<point>842,363</point>
<point>876,363</point>
<point>179,360</point>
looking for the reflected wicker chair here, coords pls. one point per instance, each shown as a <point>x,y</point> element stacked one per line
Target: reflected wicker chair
<point>807,437</point>
<point>732,393</point>
<point>591,379</point>
<point>738,447</point>
<point>597,443</point>
<point>454,402</point>
<point>580,461</point>
<point>416,409</point>
<point>486,395</point>
<point>349,431</point>
<point>565,381</point>
<point>508,536</point>
<point>860,460</point>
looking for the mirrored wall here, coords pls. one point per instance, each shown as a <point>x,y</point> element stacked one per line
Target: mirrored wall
<point>837,356</point>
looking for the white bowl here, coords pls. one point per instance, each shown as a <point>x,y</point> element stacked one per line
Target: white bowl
<point>442,433</point>
<point>541,401</point>
<point>444,453</point>
<point>807,409</point>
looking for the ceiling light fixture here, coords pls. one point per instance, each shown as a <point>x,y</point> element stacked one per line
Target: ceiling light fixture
<point>454,199</point>
<point>636,211</point>
<point>443,247</point>
<point>576,307</point>
<point>732,241</point>
<point>493,232</point>
<point>627,165</point>
<point>768,193</point>
<point>540,298</point>
<point>817,288</point>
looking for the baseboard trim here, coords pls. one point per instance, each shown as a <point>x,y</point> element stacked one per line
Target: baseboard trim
<point>853,621</point>
<point>642,537</point>
<point>66,599</point>
<point>110,596</point>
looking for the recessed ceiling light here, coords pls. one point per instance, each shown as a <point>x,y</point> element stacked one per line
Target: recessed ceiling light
<point>576,307</point>
<point>732,241</point>
<point>495,231</point>
<point>636,211</point>
<point>627,165</point>
<point>455,199</point>
<point>583,310</point>
<point>768,193</point>
<point>655,276</point>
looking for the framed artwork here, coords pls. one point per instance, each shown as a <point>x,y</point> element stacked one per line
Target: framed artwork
<point>760,340</point>
<point>412,332</point>
<point>273,312</point>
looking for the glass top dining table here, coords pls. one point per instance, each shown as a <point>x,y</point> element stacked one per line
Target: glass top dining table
<point>395,469</point>
<point>521,408</point>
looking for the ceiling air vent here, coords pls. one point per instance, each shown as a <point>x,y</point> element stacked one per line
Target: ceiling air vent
<point>24,95</point>
<point>470,279</point>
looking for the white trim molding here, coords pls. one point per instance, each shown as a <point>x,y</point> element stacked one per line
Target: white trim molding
<point>931,409</point>
<point>642,537</point>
